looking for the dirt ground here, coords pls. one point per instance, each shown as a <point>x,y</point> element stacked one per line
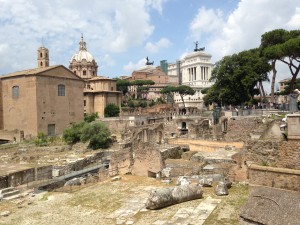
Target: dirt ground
<point>118,202</point>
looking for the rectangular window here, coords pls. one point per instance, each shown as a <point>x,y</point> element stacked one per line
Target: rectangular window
<point>51,129</point>
<point>84,72</point>
<point>61,90</point>
<point>15,91</point>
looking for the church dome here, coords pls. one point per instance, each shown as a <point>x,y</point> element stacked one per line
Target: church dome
<point>82,54</point>
<point>83,63</point>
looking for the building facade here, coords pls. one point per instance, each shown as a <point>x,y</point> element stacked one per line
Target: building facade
<point>99,91</point>
<point>45,99</point>
<point>193,70</point>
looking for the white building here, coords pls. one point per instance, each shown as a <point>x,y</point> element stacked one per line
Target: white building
<point>193,70</point>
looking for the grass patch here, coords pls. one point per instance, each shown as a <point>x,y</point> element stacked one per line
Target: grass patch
<point>226,213</point>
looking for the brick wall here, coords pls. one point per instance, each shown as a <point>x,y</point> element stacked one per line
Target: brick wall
<point>274,177</point>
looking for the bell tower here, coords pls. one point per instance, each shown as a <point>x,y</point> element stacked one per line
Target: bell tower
<point>42,57</point>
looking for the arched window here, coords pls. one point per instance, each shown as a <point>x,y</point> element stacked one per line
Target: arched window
<point>41,63</point>
<point>41,55</point>
<point>15,91</point>
<point>61,90</point>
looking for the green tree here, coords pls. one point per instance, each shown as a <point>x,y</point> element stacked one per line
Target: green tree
<point>97,134</point>
<point>122,85</point>
<point>72,134</point>
<point>238,78</point>
<point>284,46</point>
<point>111,110</point>
<point>90,117</point>
<point>182,90</point>
<point>141,85</point>
<point>168,92</point>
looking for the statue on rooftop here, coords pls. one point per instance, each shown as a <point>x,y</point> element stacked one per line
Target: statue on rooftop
<point>148,62</point>
<point>198,49</point>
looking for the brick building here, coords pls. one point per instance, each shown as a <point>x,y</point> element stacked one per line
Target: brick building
<point>45,99</point>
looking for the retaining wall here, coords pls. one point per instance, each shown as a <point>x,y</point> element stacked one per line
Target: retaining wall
<point>283,178</point>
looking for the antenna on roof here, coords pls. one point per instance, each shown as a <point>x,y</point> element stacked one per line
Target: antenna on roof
<point>42,42</point>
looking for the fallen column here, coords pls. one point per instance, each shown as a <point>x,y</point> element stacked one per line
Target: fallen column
<point>163,197</point>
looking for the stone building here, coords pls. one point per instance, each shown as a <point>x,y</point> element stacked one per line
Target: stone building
<point>150,72</point>
<point>194,70</point>
<point>99,91</point>
<point>45,99</point>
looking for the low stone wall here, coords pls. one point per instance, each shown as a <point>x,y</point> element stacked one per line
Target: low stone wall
<point>274,177</point>
<point>79,164</point>
<point>25,176</point>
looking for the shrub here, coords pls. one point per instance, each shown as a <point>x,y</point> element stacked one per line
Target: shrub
<point>90,117</point>
<point>72,135</point>
<point>41,139</point>
<point>111,110</point>
<point>97,133</point>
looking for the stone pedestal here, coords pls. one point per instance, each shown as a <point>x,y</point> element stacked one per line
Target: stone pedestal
<point>293,121</point>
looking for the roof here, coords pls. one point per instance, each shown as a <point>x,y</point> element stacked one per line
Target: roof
<point>274,206</point>
<point>38,71</point>
<point>100,78</point>
<point>29,71</point>
<point>285,80</point>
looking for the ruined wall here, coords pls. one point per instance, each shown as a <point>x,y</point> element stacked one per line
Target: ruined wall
<point>289,154</point>
<point>274,177</point>
<point>179,167</point>
<point>239,129</point>
<point>147,160</point>
<point>79,164</point>
<point>121,161</point>
<point>263,151</point>
<point>24,176</point>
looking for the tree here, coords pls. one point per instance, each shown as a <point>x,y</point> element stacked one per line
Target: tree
<point>139,84</point>
<point>90,117</point>
<point>97,134</point>
<point>122,85</point>
<point>182,90</point>
<point>111,110</point>
<point>237,77</point>
<point>169,91</point>
<point>284,46</point>
<point>270,39</point>
<point>72,135</point>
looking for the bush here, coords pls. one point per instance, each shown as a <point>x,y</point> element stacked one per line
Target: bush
<point>98,135</point>
<point>72,135</point>
<point>41,140</point>
<point>90,117</point>
<point>111,110</point>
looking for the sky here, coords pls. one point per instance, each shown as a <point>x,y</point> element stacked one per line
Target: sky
<point>120,34</point>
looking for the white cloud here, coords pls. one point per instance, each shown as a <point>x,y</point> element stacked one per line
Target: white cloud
<point>108,26</point>
<point>294,22</point>
<point>156,4</point>
<point>244,26</point>
<point>206,21</point>
<point>135,66</point>
<point>155,47</point>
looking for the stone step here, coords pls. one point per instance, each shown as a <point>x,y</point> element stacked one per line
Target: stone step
<point>5,190</point>
<point>12,197</point>
<point>11,193</point>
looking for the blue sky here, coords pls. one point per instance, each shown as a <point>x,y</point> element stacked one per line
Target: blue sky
<point>120,34</point>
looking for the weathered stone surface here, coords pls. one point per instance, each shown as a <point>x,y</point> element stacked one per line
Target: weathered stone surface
<point>163,197</point>
<point>75,181</point>
<point>116,178</point>
<point>206,182</point>
<point>221,189</point>
<point>5,213</point>
<point>182,181</point>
